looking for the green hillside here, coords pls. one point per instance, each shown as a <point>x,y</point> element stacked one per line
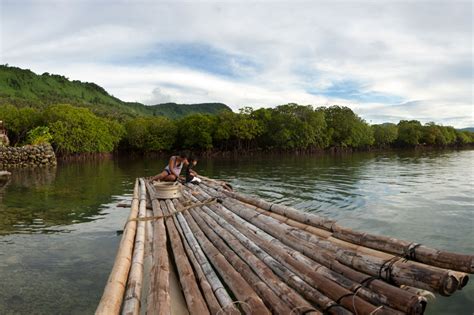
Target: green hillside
<point>22,87</point>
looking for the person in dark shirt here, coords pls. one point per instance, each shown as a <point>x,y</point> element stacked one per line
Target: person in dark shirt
<point>191,175</point>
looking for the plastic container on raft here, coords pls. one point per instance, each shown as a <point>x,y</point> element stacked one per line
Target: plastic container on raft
<point>168,190</point>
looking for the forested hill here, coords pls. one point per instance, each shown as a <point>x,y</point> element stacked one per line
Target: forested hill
<point>25,88</point>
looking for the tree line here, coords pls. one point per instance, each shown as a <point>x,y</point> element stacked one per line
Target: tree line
<point>289,127</point>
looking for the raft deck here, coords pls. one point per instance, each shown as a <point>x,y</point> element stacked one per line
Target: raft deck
<point>236,254</point>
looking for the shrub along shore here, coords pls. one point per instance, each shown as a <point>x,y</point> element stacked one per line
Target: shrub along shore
<point>290,128</point>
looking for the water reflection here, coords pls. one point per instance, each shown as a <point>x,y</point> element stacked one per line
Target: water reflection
<point>57,226</point>
<point>43,200</point>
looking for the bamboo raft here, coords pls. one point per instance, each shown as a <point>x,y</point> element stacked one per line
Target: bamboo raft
<point>236,254</point>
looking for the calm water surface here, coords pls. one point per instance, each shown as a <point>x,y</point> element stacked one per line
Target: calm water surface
<point>58,226</point>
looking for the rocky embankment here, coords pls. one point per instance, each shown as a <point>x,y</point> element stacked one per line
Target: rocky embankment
<point>27,156</point>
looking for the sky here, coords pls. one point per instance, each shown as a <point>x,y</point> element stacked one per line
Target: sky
<point>386,60</point>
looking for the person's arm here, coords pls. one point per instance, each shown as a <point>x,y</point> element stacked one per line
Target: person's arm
<point>171,165</point>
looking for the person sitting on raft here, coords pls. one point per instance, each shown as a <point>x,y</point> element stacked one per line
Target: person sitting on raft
<point>173,169</point>
<point>191,175</point>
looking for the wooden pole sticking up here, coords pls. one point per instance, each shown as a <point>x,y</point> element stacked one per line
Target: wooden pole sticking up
<point>111,300</point>
<point>131,303</point>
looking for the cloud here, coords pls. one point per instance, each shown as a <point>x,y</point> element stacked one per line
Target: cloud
<point>374,57</point>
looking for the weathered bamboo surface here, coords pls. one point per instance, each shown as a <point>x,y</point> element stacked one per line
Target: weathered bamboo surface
<point>239,254</point>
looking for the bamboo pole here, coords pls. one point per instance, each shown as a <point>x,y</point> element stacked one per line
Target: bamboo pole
<point>400,271</point>
<point>159,296</point>
<point>131,303</point>
<point>192,294</point>
<point>291,278</point>
<point>242,290</point>
<point>113,293</point>
<point>386,293</point>
<point>147,259</point>
<point>461,278</point>
<point>271,300</point>
<point>333,290</point>
<point>220,292</point>
<point>410,250</point>
<point>211,299</point>
<point>284,292</point>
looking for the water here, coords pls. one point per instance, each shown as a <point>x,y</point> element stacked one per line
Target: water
<point>58,226</point>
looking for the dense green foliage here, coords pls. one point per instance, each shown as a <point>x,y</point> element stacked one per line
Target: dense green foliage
<point>385,134</point>
<point>78,130</point>
<point>150,134</point>
<point>287,127</point>
<point>95,121</point>
<point>39,135</point>
<point>19,121</point>
<point>24,88</point>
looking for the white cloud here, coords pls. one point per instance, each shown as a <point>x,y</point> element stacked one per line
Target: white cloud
<point>416,51</point>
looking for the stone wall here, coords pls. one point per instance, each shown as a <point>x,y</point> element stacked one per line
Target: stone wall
<point>27,156</point>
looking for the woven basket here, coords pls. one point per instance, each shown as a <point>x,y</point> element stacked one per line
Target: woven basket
<point>168,190</point>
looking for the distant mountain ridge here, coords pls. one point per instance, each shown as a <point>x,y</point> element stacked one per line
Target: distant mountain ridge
<point>471,129</point>
<point>23,87</point>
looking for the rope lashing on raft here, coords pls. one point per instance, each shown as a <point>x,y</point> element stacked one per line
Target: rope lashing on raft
<point>387,268</point>
<point>409,252</point>
<point>210,201</point>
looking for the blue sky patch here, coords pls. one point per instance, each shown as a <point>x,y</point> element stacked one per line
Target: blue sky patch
<point>354,91</point>
<point>202,57</point>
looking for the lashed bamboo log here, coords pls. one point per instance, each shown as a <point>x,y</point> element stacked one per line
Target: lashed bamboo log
<point>336,292</point>
<point>147,259</point>
<point>233,237</point>
<point>192,294</point>
<point>220,292</point>
<point>284,292</point>
<point>291,278</point>
<point>410,250</point>
<point>272,301</point>
<point>131,303</point>
<point>211,300</point>
<point>401,272</point>
<point>395,297</point>
<point>159,297</point>
<point>461,278</point>
<point>233,279</point>
<point>113,293</point>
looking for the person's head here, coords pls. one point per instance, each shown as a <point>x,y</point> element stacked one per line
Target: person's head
<point>182,155</point>
<point>192,160</point>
